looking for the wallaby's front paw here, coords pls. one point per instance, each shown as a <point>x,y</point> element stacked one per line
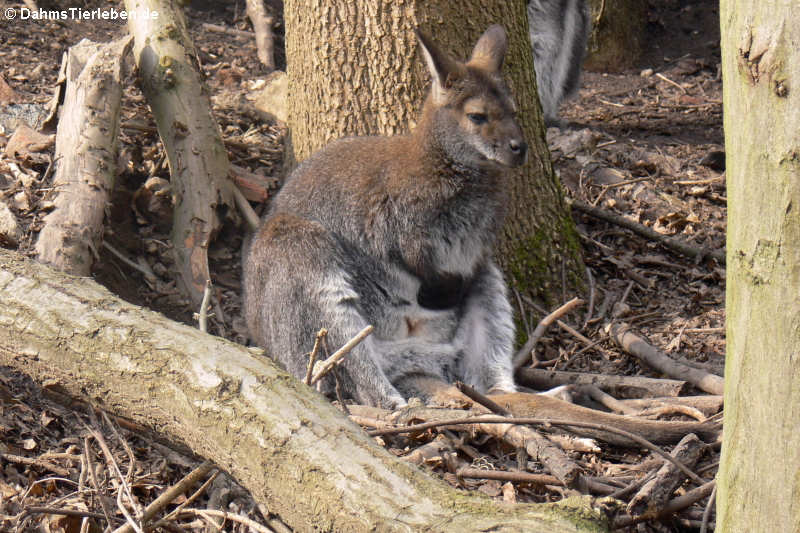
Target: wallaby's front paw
<point>393,403</point>
<point>502,388</point>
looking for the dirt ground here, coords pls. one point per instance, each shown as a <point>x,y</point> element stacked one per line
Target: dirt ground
<point>645,144</point>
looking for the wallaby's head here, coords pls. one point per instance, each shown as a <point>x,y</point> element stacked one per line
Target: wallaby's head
<point>474,115</point>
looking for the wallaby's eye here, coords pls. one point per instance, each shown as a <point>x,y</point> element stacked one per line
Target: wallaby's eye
<point>477,118</point>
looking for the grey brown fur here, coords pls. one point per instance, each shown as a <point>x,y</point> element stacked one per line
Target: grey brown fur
<point>398,232</point>
<point>558,30</point>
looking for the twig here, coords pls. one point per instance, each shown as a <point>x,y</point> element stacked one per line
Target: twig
<point>482,399</point>
<point>170,494</point>
<point>87,451</point>
<point>522,312</point>
<point>203,315</point>
<point>11,458</point>
<point>632,487</point>
<point>704,330</point>
<point>174,513</point>
<point>590,310</point>
<point>607,400</point>
<point>501,475</point>
<point>337,388</point>
<point>230,31</point>
<point>227,516</point>
<point>250,216</point>
<point>65,512</point>
<point>524,352</point>
<point>600,13</point>
<point>707,181</point>
<point>671,507</point>
<point>125,488</point>
<point>670,242</point>
<point>125,444</point>
<point>312,357</point>
<point>542,422</point>
<point>586,341</point>
<point>339,354</point>
<point>626,182</point>
<point>666,79</point>
<point>148,274</point>
<point>707,512</point>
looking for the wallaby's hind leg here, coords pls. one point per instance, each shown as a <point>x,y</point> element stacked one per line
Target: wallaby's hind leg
<point>485,335</point>
<point>294,288</point>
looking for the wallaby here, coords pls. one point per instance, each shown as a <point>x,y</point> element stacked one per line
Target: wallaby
<point>558,30</point>
<point>397,232</point>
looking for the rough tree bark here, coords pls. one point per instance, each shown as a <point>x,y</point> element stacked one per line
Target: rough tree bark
<point>198,163</point>
<point>86,154</point>
<point>290,447</point>
<point>759,476</point>
<point>617,34</point>
<point>354,69</point>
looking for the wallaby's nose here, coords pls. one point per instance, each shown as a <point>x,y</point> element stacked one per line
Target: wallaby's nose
<point>518,147</point>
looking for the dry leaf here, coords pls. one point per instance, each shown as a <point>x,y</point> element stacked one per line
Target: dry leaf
<point>45,419</point>
<point>7,94</point>
<point>27,141</point>
<point>509,493</point>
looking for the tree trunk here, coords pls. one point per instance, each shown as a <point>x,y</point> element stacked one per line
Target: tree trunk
<point>615,43</point>
<point>354,69</point>
<point>198,163</point>
<point>760,467</point>
<point>295,452</point>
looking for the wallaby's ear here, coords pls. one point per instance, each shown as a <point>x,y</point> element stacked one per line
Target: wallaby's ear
<point>442,68</point>
<point>490,49</point>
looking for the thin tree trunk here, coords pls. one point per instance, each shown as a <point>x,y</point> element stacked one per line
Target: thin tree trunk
<point>354,69</point>
<point>198,162</point>
<point>760,467</point>
<point>295,452</point>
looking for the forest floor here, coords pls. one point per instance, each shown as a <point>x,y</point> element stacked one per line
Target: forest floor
<point>645,144</point>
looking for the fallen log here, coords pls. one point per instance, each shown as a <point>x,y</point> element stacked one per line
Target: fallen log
<point>198,163</point>
<point>86,155</point>
<point>617,386</point>
<point>295,452</point>
<point>658,360</point>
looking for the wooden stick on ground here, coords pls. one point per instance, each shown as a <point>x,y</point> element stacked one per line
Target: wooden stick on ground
<point>337,356</point>
<point>656,492</point>
<point>617,386</point>
<point>86,155</point>
<point>170,494</point>
<point>673,506</point>
<point>707,405</point>
<point>486,424</point>
<point>658,360</point>
<point>670,242</point>
<point>525,352</point>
